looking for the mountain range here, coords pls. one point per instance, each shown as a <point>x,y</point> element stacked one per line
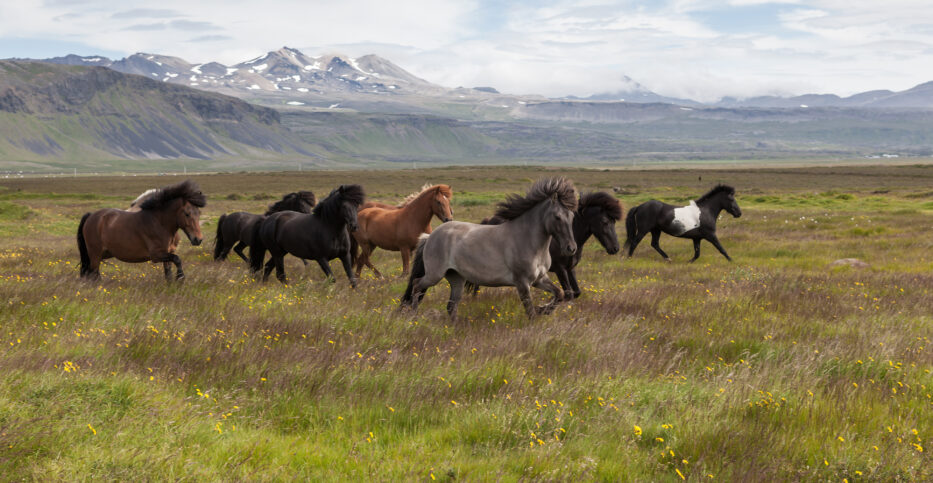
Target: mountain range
<point>286,108</point>
<point>292,77</point>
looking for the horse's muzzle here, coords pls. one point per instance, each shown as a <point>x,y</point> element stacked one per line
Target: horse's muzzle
<point>196,241</point>
<point>570,249</point>
<point>448,219</point>
<point>613,250</point>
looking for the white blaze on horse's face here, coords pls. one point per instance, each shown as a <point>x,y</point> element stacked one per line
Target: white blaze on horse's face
<point>686,218</point>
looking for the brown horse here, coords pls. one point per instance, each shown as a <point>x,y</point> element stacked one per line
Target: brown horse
<point>135,206</point>
<point>144,235</point>
<point>398,228</point>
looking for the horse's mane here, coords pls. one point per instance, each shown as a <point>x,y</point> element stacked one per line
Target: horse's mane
<point>329,207</point>
<point>560,187</point>
<point>187,190</point>
<point>719,188</point>
<point>443,188</point>
<point>143,195</point>
<point>603,200</point>
<point>289,202</point>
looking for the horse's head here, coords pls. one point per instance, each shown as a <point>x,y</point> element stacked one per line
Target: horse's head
<point>351,197</point>
<point>599,212</point>
<point>558,222</point>
<point>440,205</point>
<point>732,206</point>
<point>188,217</point>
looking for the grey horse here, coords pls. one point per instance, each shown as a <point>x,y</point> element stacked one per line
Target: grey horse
<point>514,253</point>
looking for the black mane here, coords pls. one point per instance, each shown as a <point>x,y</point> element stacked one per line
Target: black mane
<point>516,205</point>
<point>718,189</point>
<point>301,201</point>
<point>187,190</point>
<point>603,200</point>
<point>329,207</point>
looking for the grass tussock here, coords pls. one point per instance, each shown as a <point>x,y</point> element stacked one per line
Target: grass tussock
<point>775,367</point>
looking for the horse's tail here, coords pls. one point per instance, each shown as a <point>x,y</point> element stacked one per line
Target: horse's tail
<point>82,246</point>
<point>631,229</point>
<point>417,271</point>
<point>257,250</point>
<point>219,239</point>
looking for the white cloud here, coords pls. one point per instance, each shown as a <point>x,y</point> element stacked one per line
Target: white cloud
<point>563,47</point>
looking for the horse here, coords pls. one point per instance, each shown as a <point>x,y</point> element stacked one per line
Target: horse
<point>596,215</point>
<point>320,235</point>
<point>144,235</point>
<point>515,253</point>
<point>398,228</point>
<point>134,206</point>
<point>696,221</point>
<point>235,230</point>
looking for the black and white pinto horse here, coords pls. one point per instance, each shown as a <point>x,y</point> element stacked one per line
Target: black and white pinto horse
<point>696,221</point>
<point>321,235</point>
<point>596,215</point>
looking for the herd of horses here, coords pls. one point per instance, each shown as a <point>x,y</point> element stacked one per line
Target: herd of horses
<point>527,237</point>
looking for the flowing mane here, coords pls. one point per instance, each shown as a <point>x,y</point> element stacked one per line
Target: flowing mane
<point>561,188</point>
<point>719,188</point>
<point>604,200</point>
<point>443,188</point>
<point>143,196</point>
<point>294,202</point>
<point>187,190</point>
<point>329,207</point>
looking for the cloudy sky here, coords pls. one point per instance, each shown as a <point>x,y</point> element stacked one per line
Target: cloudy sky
<point>700,49</point>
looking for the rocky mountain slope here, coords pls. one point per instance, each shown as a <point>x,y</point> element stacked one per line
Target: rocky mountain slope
<point>74,111</point>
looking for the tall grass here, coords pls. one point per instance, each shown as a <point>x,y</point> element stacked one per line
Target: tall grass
<point>775,367</point>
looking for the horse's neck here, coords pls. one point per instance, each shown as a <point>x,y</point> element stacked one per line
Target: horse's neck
<point>165,218</point>
<point>531,226</point>
<point>419,209</point>
<point>713,206</point>
<point>581,229</point>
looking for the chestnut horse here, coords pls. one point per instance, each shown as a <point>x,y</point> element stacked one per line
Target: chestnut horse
<point>144,235</point>
<point>398,229</point>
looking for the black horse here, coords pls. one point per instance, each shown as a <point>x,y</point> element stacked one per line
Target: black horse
<point>235,230</point>
<point>596,215</point>
<point>320,235</point>
<point>696,221</point>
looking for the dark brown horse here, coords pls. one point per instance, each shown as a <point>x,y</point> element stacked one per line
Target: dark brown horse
<point>235,230</point>
<point>398,229</point>
<point>144,235</point>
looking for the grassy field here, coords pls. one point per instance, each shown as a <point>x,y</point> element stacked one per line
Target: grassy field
<point>774,367</point>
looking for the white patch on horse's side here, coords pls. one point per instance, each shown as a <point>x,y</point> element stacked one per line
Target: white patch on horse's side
<point>143,196</point>
<point>686,218</point>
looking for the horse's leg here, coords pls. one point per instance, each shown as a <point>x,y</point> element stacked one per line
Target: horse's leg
<point>370,248</point>
<point>456,291</point>
<point>564,278</point>
<point>406,256</point>
<point>238,248</point>
<point>544,283</point>
<point>471,288</point>
<point>326,267</point>
<point>638,237</point>
<point>655,238</point>
<point>696,249</point>
<point>347,267</point>
<point>575,288</point>
<point>715,241</point>
<point>280,268</point>
<point>524,293</point>
<point>167,270</point>
<point>420,287</point>
<point>268,269</point>
<point>180,274</point>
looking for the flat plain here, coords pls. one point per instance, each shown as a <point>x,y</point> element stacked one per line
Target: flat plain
<point>777,366</point>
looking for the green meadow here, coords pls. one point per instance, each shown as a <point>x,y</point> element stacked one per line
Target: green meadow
<point>775,367</point>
